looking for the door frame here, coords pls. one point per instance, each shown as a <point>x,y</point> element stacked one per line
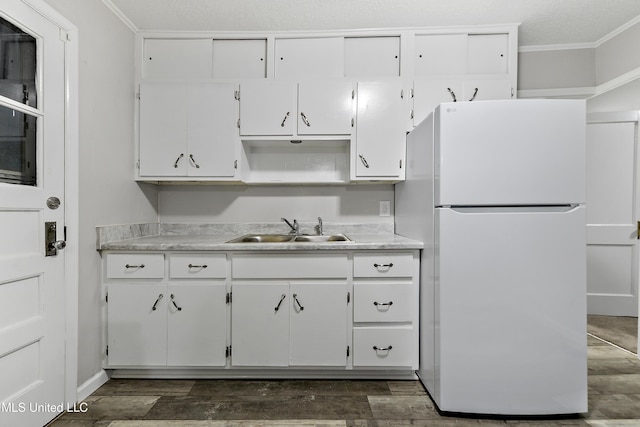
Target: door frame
<point>69,34</point>
<point>628,116</point>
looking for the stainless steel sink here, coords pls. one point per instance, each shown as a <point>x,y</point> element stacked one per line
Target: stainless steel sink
<point>318,239</point>
<point>291,238</point>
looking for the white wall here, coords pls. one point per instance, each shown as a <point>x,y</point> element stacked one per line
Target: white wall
<point>108,194</point>
<point>236,204</point>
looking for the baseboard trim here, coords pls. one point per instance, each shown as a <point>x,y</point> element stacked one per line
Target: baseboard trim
<point>92,384</point>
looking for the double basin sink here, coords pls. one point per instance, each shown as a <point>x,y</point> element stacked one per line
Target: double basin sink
<point>291,238</point>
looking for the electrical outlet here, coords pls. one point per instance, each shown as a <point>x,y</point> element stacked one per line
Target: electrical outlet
<point>385,208</point>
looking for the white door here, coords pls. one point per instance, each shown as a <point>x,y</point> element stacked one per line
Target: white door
<point>324,108</point>
<point>267,107</point>
<point>32,285</point>
<point>612,214</point>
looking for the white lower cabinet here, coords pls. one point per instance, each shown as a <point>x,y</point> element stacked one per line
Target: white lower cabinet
<point>166,325</point>
<point>287,311</point>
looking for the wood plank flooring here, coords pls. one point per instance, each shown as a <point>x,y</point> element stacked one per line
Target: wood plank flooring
<point>614,400</point>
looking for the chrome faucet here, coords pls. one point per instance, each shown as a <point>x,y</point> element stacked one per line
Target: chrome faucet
<point>295,228</point>
<point>319,226</point>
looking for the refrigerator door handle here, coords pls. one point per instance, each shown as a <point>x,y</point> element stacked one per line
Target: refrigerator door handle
<point>513,209</point>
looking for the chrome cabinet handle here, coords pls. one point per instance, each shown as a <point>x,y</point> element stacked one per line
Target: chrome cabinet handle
<point>134,266</point>
<point>376,265</point>
<point>194,161</point>
<point>453,95</point>
<point>475,92</point>
<point>304,119</point>
<point>280,302</point>
<point>155,304</point>
<point>175,165</point>
<point>284,120</point>
<point>173,301</point>
<point>376,303</point>
<point>376,348</point>
<point>295,298</point>
<point>363,160</point>
<point>197,266</point>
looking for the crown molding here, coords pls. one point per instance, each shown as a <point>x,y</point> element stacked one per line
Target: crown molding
<point>121,15</point>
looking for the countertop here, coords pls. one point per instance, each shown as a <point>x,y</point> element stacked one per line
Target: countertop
<point>161,237</point>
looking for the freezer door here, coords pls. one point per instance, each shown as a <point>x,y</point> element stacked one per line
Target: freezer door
<point>511,152</point>
<point>511,311</point>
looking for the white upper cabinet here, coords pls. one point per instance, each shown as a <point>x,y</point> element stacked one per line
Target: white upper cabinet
<point>325,107</point>
<point>239,59</point>
<point>488,54</point>
<point>177,59</point>
<point>267,107</point>
<point>440,54</point>
<point>380,131</point>
<point>371,57</point>
<point>280,107</point>
<point>320,57</point>
<point>461,54</point>
<point>187,129</point>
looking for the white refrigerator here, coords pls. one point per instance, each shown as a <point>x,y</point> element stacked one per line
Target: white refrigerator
<point>496,191</point>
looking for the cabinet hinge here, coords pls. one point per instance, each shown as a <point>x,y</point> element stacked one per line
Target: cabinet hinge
<point>348,297</point>
<point>236,95</point>
<point>353,94</point>
<point>238,124</point>
<point>411,92</point>
<point>235,164</point>
<point>400,163</point>
<point>348,351</point>
<point>106,298</point>
<point>229,298</point>
<point>352,121</point>
<point>138,95</point>
<point>402,94</point>
<point>107,351</point>
<point>227,351</point>
<point>138,164</point>
<point>411,115</point>
<point>512,92</point>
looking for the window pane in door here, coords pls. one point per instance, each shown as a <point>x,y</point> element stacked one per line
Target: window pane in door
<point>17,147</point>
<point>17,64</point>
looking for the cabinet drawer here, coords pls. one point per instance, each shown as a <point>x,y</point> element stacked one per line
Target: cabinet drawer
<point>383,265</point>
<point>135,266</point>
<point>192,266</point>
<point>383,346</point>
<point>383,302</point>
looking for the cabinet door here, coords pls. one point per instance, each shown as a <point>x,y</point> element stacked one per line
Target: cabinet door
<point>319,57</point>
<point>260,324</point>
<point>318,325</point>
<point>197,325</point>
<point>211,130</point>
<point>380,130</point>
<point>267,108</point>
<point>371,57</point>
<point>163,129</point>
<point>239,59</point>
<point>488,54</point>
<point>324,108</point>
<point>429,93</point>
<point>487,89</point>
<point>440,54</point>
<point>137,324</point>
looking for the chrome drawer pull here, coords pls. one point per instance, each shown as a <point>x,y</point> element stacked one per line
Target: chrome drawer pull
<point>378,266</point>
<point>157,301</point>
<point>376,348</point>
<point>376,303</point>
<point>134,266</point>
<point>175,165</point>
<point>173,301</point>
<point>197,266</point>
<point>284,120</point>
<point>295,298</point>
<point>280,302</point>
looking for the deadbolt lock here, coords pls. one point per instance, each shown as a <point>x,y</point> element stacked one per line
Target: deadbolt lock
<point>52,246</point>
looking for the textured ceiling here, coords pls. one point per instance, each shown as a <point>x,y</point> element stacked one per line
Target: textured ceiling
<point>543,22</point>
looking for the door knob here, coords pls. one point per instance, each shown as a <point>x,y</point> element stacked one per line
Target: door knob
<point>52,246</point>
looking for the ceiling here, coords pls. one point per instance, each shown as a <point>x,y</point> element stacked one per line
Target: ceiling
<point>543,22</point>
